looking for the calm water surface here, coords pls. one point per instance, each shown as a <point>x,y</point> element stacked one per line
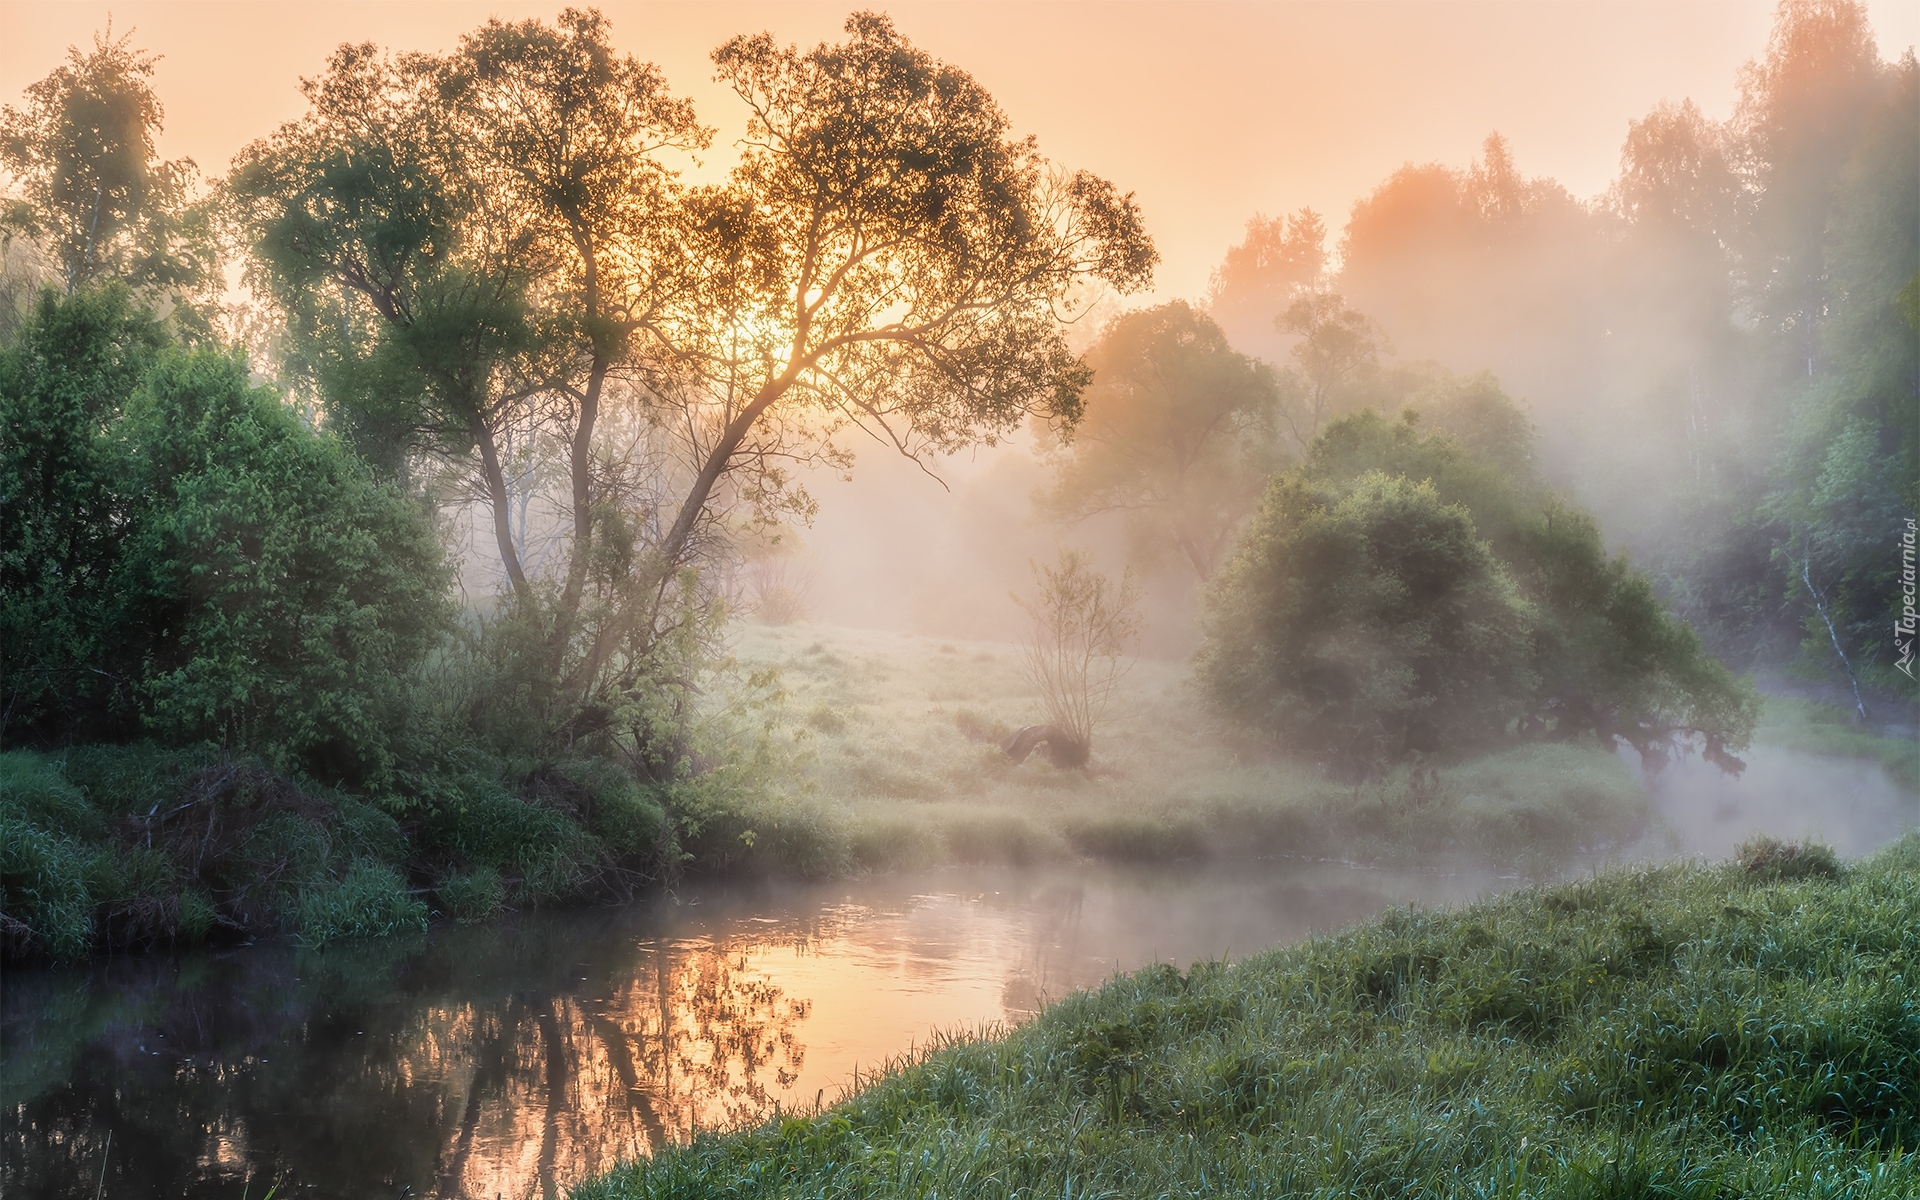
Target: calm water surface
<point>510,1059</point>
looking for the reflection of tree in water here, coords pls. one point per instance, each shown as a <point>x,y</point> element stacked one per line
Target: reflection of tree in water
<point>555,1087</point>
<point>493,1070</point>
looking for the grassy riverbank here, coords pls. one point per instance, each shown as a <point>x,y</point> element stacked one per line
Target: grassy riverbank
<point>1816,728</point>
<point>1740,1030</point>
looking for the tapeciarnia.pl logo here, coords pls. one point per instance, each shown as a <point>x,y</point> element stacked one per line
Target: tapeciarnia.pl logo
<point>1903,626</point>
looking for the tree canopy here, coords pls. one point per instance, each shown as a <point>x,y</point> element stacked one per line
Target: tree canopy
<point>1398,596</point>
<point>1178,434</point>
<point>93,192</point>
<point>491,244</point>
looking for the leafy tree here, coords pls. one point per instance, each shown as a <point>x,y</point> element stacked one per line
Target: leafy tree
<point>1370,627</point>
<point>69,658</point>
<point>92,190</point>
<point>1852,452</point>
<point>1800,115</point>
<point>404,278</point>
<point>186,558</point>
<point>1280,258</point>
<point>293,591</point>
<point>1178,434</point>
<point>1335,343</point>
<point>886,257</point>
<point>1397,597</point>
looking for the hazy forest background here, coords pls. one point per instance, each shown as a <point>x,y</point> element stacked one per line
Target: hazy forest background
<point>382,512</point>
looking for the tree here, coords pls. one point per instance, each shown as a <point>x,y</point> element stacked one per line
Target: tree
<point>92,189</point>
<point>1367,627</point>
<point>69,657</point>
<point>185,558</point>
<point>1280,258</point>
<point>1082,624</point>
<point>1335,344</point>
<point>1178,434</point>
<point>1397,598</point>
<point>885,258</point>
<point>1799,118</point>
<point>1851,454</point>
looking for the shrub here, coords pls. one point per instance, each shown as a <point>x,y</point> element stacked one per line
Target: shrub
<point>1368,627</point>
<point>300,591</point>
<point>370,900</point>
<point>185,557</point>
<point>1395,599</point>
<point>1770,859</point>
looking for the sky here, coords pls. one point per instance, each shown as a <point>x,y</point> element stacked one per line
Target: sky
<point>1209,113</point>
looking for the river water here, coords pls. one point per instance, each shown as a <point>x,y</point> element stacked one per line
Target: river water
<point>509,1059</point>
<point>496,1060</point>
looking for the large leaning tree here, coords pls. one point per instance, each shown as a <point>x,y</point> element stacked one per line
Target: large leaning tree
<point>492,244</point>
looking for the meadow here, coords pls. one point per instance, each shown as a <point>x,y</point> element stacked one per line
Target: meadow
<point>1743,1029</point>
<point>887,756</point>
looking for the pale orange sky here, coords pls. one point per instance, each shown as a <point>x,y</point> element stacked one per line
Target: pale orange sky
<point>1209,112</point>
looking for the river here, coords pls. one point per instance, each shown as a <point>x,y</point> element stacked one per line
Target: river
<point>508,1059</point>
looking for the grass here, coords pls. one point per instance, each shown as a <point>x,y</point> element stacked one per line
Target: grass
<point>892,761</point>
<point>1817,728</point>
<point>1680,1031</point>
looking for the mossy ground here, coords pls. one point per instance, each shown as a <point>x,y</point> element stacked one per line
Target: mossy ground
<point>1680,1031</point>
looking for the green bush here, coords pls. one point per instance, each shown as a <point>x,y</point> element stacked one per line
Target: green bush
<point>186,557</point>
<point>370,900</point>
<point>473,895</point>
<point>1365,621</point>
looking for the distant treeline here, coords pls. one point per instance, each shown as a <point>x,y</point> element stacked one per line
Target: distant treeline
<point>1722,353</point>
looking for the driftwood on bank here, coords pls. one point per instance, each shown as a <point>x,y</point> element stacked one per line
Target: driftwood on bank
<point>1063,749</point>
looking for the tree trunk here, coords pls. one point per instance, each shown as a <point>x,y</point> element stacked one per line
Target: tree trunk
<point>502,507</point>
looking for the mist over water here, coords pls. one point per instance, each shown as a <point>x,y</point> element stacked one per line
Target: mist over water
<point>1850,804</point>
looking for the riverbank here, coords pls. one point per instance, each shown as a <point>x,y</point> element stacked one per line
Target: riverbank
<point>1750,1028</point>
<point>873,752</point>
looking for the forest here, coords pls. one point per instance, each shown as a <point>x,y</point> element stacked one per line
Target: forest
<point>411,523</point>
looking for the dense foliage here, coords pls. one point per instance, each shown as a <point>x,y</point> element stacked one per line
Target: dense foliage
<point>1716,352</point>
<point>484,278</point>
<point>193,562</point>
<point>1685,1031</point>
<point>1399,597</point>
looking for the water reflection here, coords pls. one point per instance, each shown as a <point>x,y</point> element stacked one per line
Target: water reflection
<point>494,1061</point>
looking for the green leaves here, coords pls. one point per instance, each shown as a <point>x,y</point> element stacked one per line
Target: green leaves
<point>225,573</point>
<point>1365,620</point>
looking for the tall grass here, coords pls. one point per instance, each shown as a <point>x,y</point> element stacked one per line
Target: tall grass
<point>1682,1031</point>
